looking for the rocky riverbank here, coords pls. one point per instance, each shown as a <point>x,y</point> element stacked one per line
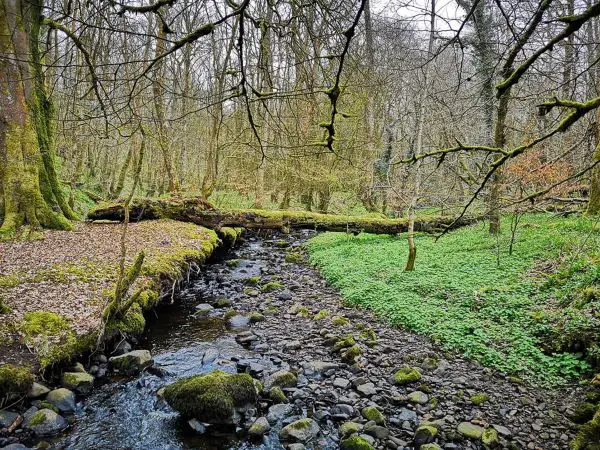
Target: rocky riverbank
<point>324,375</point>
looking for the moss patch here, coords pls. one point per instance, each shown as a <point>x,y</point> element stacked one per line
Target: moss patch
<point>406,375</point>
<point>14,380</point>
<point>271,286</point>
<point>355,443</point>
<point>479,398</point>
<point>372,413</point>
<point>211,398</point>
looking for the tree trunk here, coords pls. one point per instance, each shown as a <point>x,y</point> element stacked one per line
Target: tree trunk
<point>593,206</point>
<point>198,211</point>
<point>26,161</point>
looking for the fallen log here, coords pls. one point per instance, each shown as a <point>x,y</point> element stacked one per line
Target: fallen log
<point>202,213</point>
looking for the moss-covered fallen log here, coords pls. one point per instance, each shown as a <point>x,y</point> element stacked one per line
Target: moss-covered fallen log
<point>201,213</point>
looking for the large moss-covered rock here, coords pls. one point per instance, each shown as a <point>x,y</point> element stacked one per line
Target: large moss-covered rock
<point>14,381</point>
<point>355,443</point>
<point>78,381</point>
<point>282,379</point>
<point>372,413</point>
<point>45,422</point>
<point>131,363</point>
<point>303,430</point>
<point>217,397</point>
<point>588,437</point>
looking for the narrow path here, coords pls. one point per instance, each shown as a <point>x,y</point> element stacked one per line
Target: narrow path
<point>294,336</point>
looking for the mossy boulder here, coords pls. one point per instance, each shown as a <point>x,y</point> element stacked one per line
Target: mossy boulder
<point>424,434</point>
<point>131,363</point>
<point>63,399</point>
<point>45,422</point>
<point>14,381</point>
<point>355,443</point>
<point>282,379</point>
<point>470,430</point>
<point>217,397</point>
<point>303,430</point>
<point>80,382</point>
<point>259,428</point>
<point>372,413</point>
<point>406,375</point>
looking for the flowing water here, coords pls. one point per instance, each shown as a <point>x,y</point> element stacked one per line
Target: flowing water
<point>127,414</point>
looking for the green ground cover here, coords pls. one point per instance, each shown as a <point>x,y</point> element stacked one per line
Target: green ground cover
<point>532,313</point>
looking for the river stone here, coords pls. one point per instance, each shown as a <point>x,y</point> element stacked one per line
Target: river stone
<point>78,381</point>
<point>418,397</point>
<point>377,431</point>
<point>197,426</point>
<point>131,363</point>
<point>37,390</point>
<point>408,415</point>
<point>15,447</point>
<point>278,412</point>
<point>489,438</point>
<point>7,418</point>
<point>303,430</point>
<point>203,309</point>
<point>355,443</point>
<point>367,389</point>
<point>424,435</point>
<point>216,398</point>
<point>312,367</point>
<point>281,378</point>
<point>431,447</point>
<point>63,399</point>
<point>259,427</point>
<point>470,430</point>
<point>238,321</point>
<point>45,422</point>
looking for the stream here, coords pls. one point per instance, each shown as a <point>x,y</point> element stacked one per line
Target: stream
<point>126,413</point>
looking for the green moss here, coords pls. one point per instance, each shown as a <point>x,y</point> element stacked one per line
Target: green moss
<point>284,379</point>
<point>38,418</point>
<point>222,302</point>
<point>229,235</point>
<point>321,315</point>
<point>212,397</point>
<point>345,342</point>
<point>293,257</point>
<point>233,262</point>
<point>348,428</point>
<point>301,424</point>
<point>339,321</point>
<point>47,405</point>
<point>9,281</point>
<point>407,375</point>
<point>368,334</point>
<point>230,313</point>
<point>276,394</point>
<point>43,323</point>
<point>271,286</point>
<point>479,398</point>
<point>588,437</point>
<point>584,412</point>
<point>433,402</point>
<point>148,298</point>
<point>171,264</point>
<point>489,438</point>
<point>133,322</point>
<point>303,311</point>
<point>14,380</point>
<point>355,443</point>
<point>271,310</point>
<point>72,345</point>
<point>372,413</point>
<point>425,433</point>
<point>4,309</point>
<point>256,317</point>
<point>351,354</point>
<point>252,281</point>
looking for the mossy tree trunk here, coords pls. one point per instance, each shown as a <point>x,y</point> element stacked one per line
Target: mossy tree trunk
<point>29,182</point>
<point>593,206</point>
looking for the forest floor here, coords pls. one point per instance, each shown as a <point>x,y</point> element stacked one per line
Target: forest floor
<point>53,290</point>
<point>532,313</point>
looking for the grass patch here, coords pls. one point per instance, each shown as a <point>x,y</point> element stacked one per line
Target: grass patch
<point>469,294</point>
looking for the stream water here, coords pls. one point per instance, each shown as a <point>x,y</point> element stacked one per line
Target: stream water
<point>127,414</point>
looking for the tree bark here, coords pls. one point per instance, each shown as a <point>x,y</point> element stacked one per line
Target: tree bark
<point>26,162</point>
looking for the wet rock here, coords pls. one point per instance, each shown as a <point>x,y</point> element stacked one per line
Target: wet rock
<point>37,390</point>
<point>7,418</point>
<point>203,309</point>
<point>303,430</point>
<point>502,430</point>
<point>470,430</point>
<point>259,428</point>
<point>367,389</point>
<point>216,398</point>
<point>131,363</point>
<point>15,446</point>
<point>278,412</point>
<point>284,295</point>
<point>197,426</point>
<point>341,383</point>
<point>45,422</point>
<point>408,415</point>
<point>122,347</point>
<point>377,431</point>
<point>238,321</point>
<point>79,382</point>
<point>63,399</point>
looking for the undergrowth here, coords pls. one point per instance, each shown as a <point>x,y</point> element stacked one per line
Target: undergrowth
<point>532,313</point>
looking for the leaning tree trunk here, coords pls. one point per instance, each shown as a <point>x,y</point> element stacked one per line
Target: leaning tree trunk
<point>24,166</point>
